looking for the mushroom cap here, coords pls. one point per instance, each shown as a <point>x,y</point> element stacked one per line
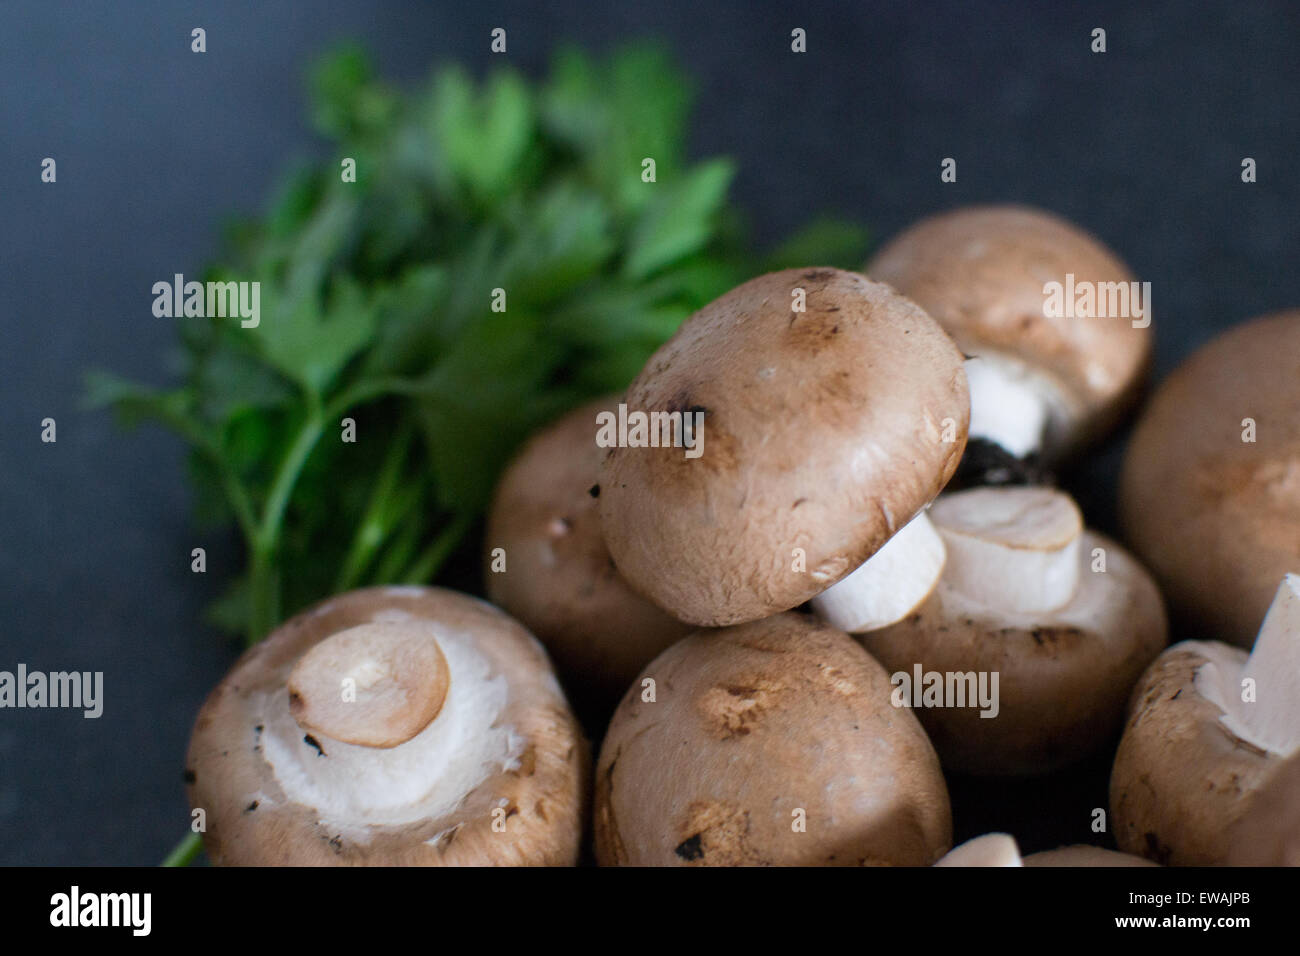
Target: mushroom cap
<point>1064,676</point>
<point>980,271</point>
<point>1268,834</point>
<point>824,430</point>
<point>751,725</point>
<point>1181,778</point>
<point>1217,519</point>
<point>560,581</point>
<point>504,749</point>
<point>1081,854</point>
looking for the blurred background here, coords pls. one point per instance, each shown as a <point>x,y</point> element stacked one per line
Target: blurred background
<point>157,147</point>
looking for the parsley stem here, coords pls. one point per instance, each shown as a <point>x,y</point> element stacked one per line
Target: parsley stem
<point>377,523</point>
<point>265,540</point>
<point>264,593</point>
<point>264,575</point>
<point>184,853</point>
<point>287,477</point>
<point>398,553</point>
<point>237,497</point>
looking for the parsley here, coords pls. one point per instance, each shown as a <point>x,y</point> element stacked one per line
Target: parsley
<point>376,305</point>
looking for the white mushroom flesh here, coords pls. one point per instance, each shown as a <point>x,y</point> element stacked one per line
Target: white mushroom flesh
<point>1013,406</point>
<point>1260,699</point>
<point>353,787</point>
<point>1011,549</point>
<point>991,849</point>
<point>378,684</point>
<point>890,584</point>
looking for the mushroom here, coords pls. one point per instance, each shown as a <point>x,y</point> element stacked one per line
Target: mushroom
<point>767,743</point>
<point>1210,490</point>
<point>991,849</point>
<point>999,849</point>
<point>1268,833</point>
<point>1023,657</point>
<point>1041,383</point>
<point>557,577</point>
<point>1207,726</point>
<point>390,726</point>
<point>833,411</point>
<point>1082,854</point>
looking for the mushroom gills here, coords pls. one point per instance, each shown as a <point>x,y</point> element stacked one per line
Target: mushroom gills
<point>890,584</point>
<point>1013,549</point>
<point>1013,406</point>
<point>1270,718</point>
<point>991,849</point>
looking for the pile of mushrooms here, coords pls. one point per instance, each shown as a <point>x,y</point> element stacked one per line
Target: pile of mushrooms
<point>865,580</point>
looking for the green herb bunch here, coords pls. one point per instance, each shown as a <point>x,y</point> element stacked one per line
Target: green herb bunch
<point>377,305</point>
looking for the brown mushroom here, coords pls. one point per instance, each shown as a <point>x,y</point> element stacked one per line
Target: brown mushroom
<point>1268,833</point>
<point>1081,854</point>
<point>1210,491</point>
<point>1046,372</point>
<point>390,726</point>
<point>772,742</point>
<point>1207,727</point>
<point>554,573</point>
<point>1023,657</point>
<point>833,411</point>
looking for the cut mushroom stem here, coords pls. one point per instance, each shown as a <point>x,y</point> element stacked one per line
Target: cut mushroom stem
<point>1016,549</point>
<point>1270,717</point>
<point>377,685</point>
<point>890,584</point>
<point>1008,404</point>
<point>991,849</point>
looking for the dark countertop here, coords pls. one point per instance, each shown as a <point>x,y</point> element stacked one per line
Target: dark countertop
<point>157,147</point>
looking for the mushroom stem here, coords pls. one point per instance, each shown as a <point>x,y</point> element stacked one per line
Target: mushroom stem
<point>890,584</point>
<point>1271,719</point>
<point>991,849</point>
<point>376,685</point>
<point>1007,404</point>
<point>1014,549</point>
